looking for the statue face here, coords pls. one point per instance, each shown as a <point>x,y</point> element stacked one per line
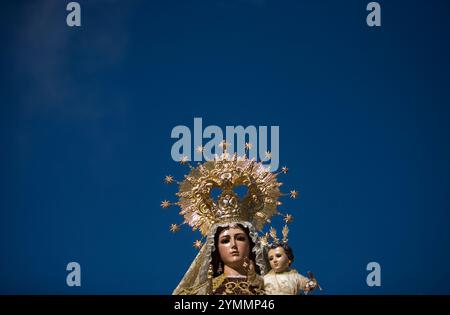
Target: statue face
<point>278,259</point>
<point>234,246</point>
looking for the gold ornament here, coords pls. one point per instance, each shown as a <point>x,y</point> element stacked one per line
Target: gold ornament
<point>273,234</point>
<point>288,218</point>
<point>200,149</point>
<point>168,179</point>
<point>197,244</point>
<point>201,210</point>
<point>165,204</point>
<point>174,228</point>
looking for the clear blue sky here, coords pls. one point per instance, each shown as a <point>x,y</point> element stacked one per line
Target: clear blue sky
<point>86,117</point>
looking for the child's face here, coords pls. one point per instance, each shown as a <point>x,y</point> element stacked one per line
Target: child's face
<point>278,259</point>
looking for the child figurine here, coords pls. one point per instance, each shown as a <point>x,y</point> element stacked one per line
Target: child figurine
<point>281,279</point>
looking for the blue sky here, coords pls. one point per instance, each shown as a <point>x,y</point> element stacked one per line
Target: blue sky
<point>86,117</point>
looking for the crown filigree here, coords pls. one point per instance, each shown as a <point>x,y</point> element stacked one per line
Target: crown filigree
<point>265,239</point>
<point>226,173</point>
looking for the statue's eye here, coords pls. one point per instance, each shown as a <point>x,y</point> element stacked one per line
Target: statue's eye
<point>241,191</point>
<point>225,240</point>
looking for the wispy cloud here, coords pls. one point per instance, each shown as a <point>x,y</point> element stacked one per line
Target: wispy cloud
<point>55,67</point>
<point>46,51</point>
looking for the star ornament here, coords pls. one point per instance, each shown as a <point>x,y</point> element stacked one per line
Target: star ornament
<point>174,228</point>
<point>268,155</point>
<point>288,218</point>
<point>248,145</point>
<point>264,240</point>
<point>224,145</point>
<point>197,244</point>
<point>294,194</point>
<point>284,170</point>
<point>165,204</point>
<point>184,160</point>
<point>200,149</point>
<point>168,179</point>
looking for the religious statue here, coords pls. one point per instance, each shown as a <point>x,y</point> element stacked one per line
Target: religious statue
<point>282,279</point>
<point>231,259</point>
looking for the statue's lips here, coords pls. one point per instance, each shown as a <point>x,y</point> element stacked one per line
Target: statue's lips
<point>234,253</point>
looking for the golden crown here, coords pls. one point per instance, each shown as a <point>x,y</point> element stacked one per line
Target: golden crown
<point>265,239</point>
<point>201,210</point>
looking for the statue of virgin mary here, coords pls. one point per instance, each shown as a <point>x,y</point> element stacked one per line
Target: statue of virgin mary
<point>231,259</point>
